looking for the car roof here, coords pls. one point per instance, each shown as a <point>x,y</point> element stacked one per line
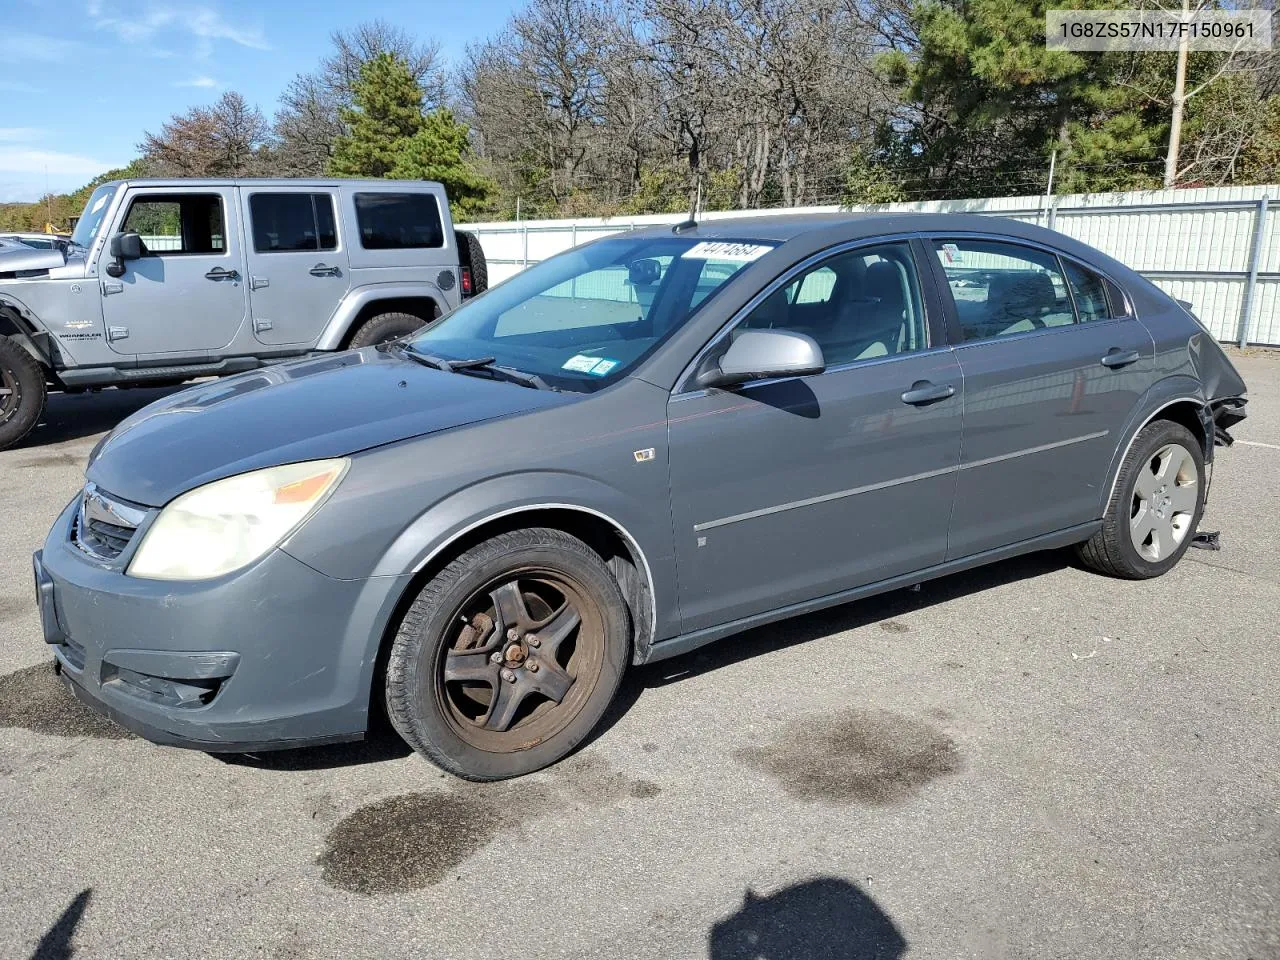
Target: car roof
<point>271,182</point>
<point>789,226</point>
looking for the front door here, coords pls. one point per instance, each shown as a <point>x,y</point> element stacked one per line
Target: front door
<point>186,295</point>
<point>788,490</point>
<point>1053,366</point>
<point>298,272</point>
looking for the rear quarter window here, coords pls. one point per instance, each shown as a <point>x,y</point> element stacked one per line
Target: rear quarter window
<point>398,221</point>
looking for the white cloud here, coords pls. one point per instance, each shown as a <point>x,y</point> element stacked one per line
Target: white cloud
<point>21,45</point>
<point>203,82</point>
<point>24,160</point>
<point>202,22</point>
<point>20,134</point>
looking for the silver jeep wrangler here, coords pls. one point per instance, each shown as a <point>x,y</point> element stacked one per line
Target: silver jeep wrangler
<point>165,281</point>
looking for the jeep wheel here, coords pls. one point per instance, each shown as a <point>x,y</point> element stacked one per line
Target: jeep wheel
<point>509,656</point>
<point>385,327</point>
<point>1155,507</point>
<point>22,392</point>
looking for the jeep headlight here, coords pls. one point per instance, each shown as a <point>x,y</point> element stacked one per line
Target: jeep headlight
<point>227,524</point>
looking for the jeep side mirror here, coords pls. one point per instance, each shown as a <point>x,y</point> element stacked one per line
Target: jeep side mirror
<point>124,246</point>
<point>764,355</point>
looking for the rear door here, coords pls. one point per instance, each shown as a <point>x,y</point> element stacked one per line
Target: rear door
<point>1052,369</point>
<point>298,267</point>
<point>186,295</point>
<point>787,490</point>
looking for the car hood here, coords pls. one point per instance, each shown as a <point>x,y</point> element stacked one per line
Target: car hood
<point>19,257</point>
<point>332,406</point>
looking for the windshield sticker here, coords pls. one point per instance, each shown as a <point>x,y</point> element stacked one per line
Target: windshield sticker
<point>581,364</point>
<point>740,252</point>
<point>102,200</point>
<point>952,253</point>
<point>603,367</point>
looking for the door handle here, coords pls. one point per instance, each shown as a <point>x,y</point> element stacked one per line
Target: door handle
<point>923,392</point>
<point>1119,358</point>
<point>321,270</point>
<point>218,273</point>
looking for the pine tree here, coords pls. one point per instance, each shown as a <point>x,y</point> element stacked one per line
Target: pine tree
<point>386,111</point>
<point>440,150</point>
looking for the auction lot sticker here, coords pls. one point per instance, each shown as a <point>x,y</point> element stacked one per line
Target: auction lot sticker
<point>723,250</point>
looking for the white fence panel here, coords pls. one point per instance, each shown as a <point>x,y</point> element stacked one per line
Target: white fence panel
<point>1198,245</point>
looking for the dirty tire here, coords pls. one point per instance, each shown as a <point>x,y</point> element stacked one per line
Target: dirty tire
<point>471,254</point>
<point>22,392</point>
<point>419,701</point>
<point>385,327</point>
<point>1112,550</point>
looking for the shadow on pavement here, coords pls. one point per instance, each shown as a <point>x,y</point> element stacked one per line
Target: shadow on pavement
<point>56,943</point>
<point>823,919</point>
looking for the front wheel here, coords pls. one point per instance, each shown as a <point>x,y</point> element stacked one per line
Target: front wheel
<point>509,656</point>
<point>22,392</point>
<point>1155,507</point>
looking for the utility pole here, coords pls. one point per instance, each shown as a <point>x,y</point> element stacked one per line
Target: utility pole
<point>1179,101</point>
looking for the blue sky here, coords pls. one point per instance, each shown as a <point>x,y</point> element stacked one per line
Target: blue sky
<point>82,79</point>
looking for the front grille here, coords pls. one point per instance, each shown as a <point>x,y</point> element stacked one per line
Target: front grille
<point>104,526</point>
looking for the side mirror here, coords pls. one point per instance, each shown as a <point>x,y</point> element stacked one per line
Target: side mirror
<point>124,246</point>
<point>764,355</point>
<point>641,273</point>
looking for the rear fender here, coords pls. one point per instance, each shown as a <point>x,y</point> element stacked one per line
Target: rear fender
<point>1161,397</point>
<point>339,325</point>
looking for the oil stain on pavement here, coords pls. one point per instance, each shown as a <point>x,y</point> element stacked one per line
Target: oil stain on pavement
<point>875,757</point>
<point>414,840</point>
<point>36,699</point>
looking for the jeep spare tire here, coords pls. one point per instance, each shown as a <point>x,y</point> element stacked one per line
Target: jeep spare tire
<point>22,392</point>
<point>471,257</point>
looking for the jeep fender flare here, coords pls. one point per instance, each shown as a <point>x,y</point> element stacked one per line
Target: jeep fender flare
<point>1161,396</point>
<point>443,524</point>
<point>17,323</point>
<point>339,325</point>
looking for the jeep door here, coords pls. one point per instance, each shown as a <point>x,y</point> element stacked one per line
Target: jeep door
<point>298,269</point>
<point>186,295</point>
<point>792,489</point>
<point>1054,364</point>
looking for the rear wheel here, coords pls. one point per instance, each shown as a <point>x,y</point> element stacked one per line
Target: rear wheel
<point>22,392</point>
<point>385,327</point>
<point>509,656</point>
<point>1155,507</point>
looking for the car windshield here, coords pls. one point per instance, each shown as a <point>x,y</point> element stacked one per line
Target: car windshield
<point>582,319</point>
<point>91,219</point>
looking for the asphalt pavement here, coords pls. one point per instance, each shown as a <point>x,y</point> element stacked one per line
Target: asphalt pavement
<point>1028,760</point>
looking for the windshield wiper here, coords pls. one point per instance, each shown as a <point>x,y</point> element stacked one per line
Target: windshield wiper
<point>482,365</point>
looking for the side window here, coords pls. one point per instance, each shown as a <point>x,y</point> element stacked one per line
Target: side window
<point>1001,289</point>
<point>857,305</point>
<point>1088,291</point>
<point>396,221</point>
<point>292,221</point>
<point>172,224</point>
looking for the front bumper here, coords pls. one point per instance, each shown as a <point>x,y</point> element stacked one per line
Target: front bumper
<point>274,656</point>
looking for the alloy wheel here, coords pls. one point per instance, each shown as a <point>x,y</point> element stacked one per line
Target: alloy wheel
<point>1165,496</point>
<point>10,394</point>
<point>524,656</point>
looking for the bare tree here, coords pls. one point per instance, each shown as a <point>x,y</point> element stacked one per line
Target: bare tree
<point>222,140</point>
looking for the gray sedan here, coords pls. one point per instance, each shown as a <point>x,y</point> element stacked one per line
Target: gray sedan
<point>630,450</point>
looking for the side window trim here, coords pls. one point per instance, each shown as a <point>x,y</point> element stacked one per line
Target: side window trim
<point>954,334</point>
<point>144,195</point>
<point>928,299</point>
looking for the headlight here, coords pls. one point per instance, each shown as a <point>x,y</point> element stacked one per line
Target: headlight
<point>227,524</point>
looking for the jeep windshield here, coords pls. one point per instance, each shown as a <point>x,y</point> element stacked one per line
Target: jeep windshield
<point>581,320</point>
<point>94,211</point>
